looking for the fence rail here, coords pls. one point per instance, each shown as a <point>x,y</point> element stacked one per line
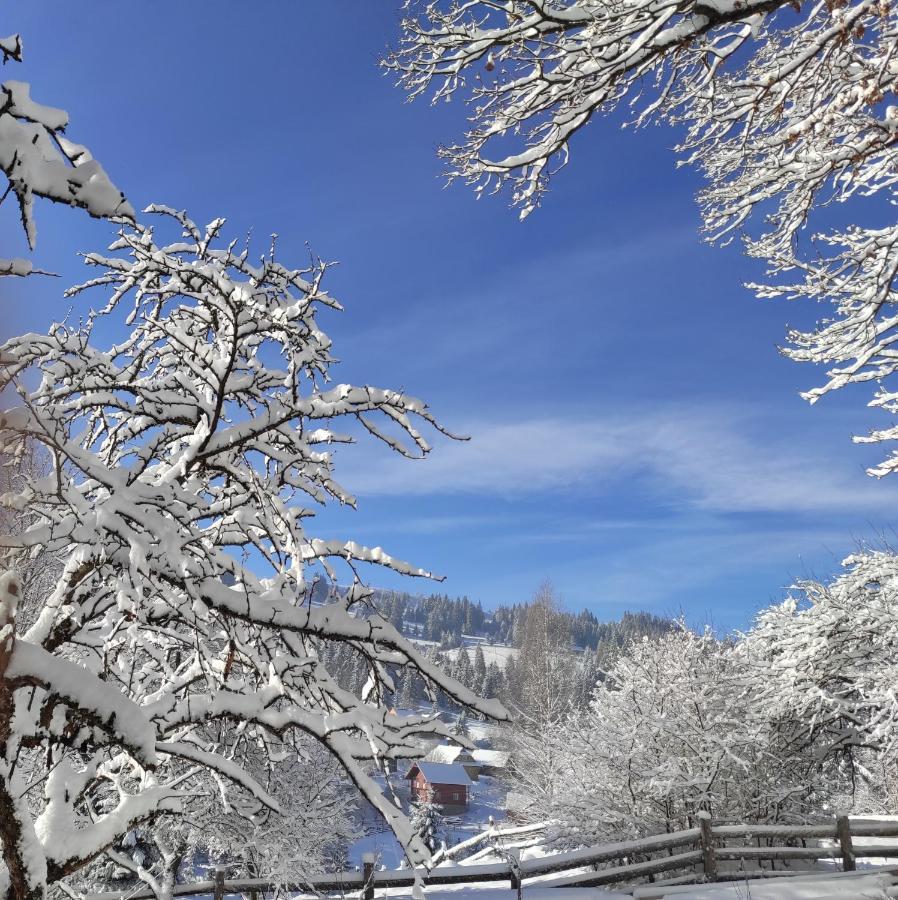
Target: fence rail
<point>696,850</point>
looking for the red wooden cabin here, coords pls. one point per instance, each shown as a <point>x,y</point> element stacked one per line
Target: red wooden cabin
<point>447,784</point>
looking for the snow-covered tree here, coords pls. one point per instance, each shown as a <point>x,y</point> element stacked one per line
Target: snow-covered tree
<point>783,104</point>
<point>39,161</point>
<point>544,670</point>
<point>479,666</point>
<point>826,659</point>
<point>672,731</point>
<point>461,728</point>
<point>462,670</point>
<point>181,641</point>
<point>427,823</point>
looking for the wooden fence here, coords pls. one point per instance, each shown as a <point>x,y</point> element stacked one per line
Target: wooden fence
<point>696,854</point>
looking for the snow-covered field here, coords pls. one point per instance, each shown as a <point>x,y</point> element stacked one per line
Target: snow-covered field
<point>497,653</point>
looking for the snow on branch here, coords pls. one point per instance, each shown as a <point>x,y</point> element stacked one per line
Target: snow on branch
<point>782,104</point>
<point>93,700</point>
<point>39,161</point>
<point>827,657</point>
<point>535,73</point>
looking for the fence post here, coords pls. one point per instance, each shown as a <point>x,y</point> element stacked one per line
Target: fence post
<point>514,867</point>
<point>706,841</point>
<point>368,876</point>
<point>843,832</point>
<point>218,889</point>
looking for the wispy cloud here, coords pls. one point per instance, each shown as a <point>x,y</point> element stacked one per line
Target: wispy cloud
<point>682,458</point>
<point>710,573</point>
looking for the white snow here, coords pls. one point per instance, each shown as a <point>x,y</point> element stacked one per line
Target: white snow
<point>869,887</point>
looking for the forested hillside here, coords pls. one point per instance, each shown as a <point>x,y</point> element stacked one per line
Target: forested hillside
<point>449,620</point>
<point>501,653</point>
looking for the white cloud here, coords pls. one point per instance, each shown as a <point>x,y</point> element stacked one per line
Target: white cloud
<point>682,458</point>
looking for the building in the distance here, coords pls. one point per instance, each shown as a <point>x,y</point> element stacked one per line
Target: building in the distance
<point>452,753</point>
<point>447,784</point>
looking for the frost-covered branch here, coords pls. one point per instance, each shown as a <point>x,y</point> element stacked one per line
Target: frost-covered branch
<point>827,656</point>
<point>782,104</point>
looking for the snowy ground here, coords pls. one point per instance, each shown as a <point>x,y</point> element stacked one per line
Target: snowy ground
<point>448,893</point>
<point>865,887</point>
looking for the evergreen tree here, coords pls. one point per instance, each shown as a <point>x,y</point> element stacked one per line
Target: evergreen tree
<point>406,696</point>
<point>432,625</point>
<point>468,626</point>
<point>479,667</point>
<point>493,681</point>
<point>397,614</point>
<point>427,823</point>
<point>460,727</point>
<point>511,687</point>
<point>464,671</point>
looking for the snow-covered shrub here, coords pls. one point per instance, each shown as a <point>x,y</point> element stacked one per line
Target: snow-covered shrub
<point>180,645</point>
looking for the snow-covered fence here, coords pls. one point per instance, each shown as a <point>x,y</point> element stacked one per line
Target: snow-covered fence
<point>696,854</point>
<point>493,837</point>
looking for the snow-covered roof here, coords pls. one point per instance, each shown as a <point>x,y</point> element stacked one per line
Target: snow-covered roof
<point>443,753</point>
<point>498,758</point>
<point>441,773</point>
<point>448,753</point>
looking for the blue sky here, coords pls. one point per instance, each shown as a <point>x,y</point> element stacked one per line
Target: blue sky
<point>636,438</point>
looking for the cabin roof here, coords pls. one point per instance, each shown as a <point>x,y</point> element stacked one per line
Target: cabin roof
<point>448,753</point>
<point>440,773</point>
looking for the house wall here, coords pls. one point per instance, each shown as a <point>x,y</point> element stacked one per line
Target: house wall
<point>450,794</point>
<point>444,794</point>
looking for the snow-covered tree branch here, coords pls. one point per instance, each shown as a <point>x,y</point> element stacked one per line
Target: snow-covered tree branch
<point>781,103</point>
<point>39,161</point>
<point>181,639</point>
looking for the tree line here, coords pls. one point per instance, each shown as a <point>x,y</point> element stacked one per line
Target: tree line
<point>446,620</point>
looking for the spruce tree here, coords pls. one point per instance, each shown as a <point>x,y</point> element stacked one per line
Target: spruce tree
<point>427,823</point>
<point>479,667</point>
